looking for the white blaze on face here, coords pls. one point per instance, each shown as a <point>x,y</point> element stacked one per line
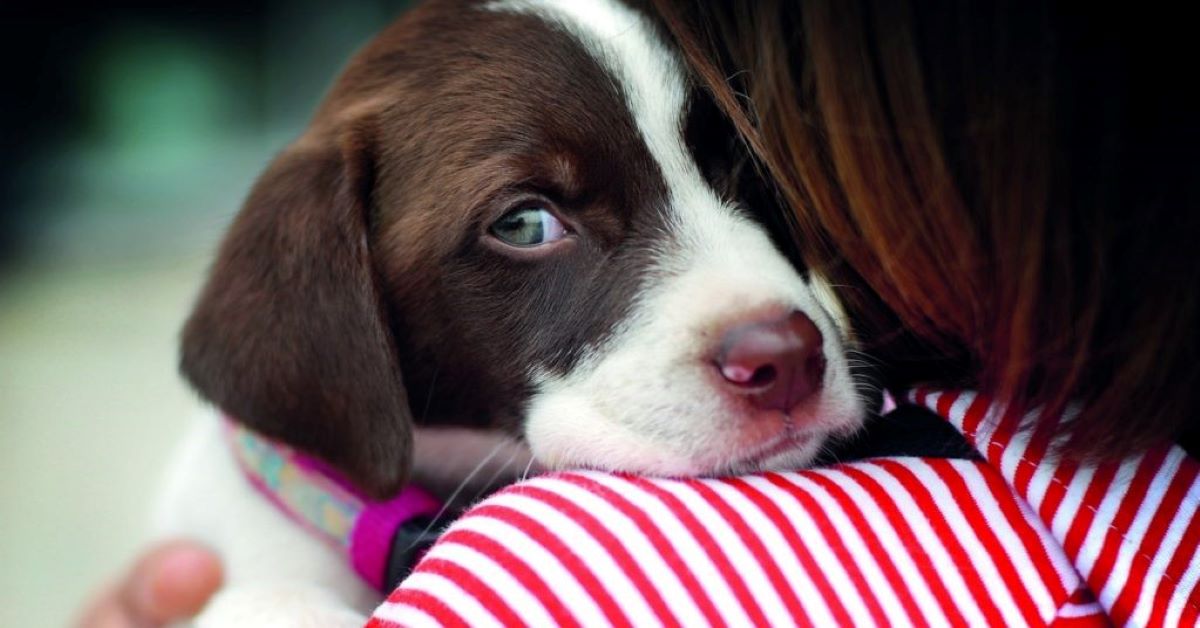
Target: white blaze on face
<point>649,399</point>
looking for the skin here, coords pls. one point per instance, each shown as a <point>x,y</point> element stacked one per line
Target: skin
<point>169,582</point>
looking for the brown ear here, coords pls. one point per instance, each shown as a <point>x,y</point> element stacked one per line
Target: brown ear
<point>290,335</point>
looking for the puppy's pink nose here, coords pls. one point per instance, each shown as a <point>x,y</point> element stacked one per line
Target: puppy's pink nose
<point>776,363</point>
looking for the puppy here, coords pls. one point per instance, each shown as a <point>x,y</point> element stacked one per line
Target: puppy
<point>515,215</point>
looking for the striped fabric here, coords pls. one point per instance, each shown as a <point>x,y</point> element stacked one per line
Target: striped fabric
<point>1131,529</point>
<point>1015,540</point>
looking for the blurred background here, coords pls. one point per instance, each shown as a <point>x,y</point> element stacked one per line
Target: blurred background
<point>129,133</point>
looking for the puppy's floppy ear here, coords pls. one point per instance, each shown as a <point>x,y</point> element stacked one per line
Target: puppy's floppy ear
<point>290,335</point>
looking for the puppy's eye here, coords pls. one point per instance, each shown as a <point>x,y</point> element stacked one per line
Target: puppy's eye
<point>529,226</point>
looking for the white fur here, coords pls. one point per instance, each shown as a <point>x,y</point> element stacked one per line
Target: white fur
<point>276,573</point>
<point>646,401</point>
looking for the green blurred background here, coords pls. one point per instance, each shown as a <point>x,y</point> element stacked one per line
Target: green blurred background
<point>129,133</point>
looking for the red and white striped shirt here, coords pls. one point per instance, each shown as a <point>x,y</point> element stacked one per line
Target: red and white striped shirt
<point>1017,539</point>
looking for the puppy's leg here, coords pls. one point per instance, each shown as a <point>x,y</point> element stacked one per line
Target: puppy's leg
<point>461,465</point>
<point>276,573</point>
<point>278,606</point>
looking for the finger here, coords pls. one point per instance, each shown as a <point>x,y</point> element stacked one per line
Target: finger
<point>106,611</point>
<point>172,582</point>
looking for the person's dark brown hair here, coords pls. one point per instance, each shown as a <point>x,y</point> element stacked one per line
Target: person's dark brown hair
<point>1016,183</point>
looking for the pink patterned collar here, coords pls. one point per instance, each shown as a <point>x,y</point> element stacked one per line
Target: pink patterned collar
<point>378,537</point>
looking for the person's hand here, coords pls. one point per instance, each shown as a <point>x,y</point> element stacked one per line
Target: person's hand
<point>170,582</point>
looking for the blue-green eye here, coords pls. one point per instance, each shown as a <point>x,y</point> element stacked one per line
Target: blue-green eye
<point>529,226</point>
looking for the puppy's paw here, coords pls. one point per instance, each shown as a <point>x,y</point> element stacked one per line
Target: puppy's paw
<point>278,606</point>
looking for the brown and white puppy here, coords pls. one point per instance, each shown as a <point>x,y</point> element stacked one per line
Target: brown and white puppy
<point>510,214</point>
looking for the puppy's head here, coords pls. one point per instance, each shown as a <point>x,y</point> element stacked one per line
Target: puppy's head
<point>516,214</point>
